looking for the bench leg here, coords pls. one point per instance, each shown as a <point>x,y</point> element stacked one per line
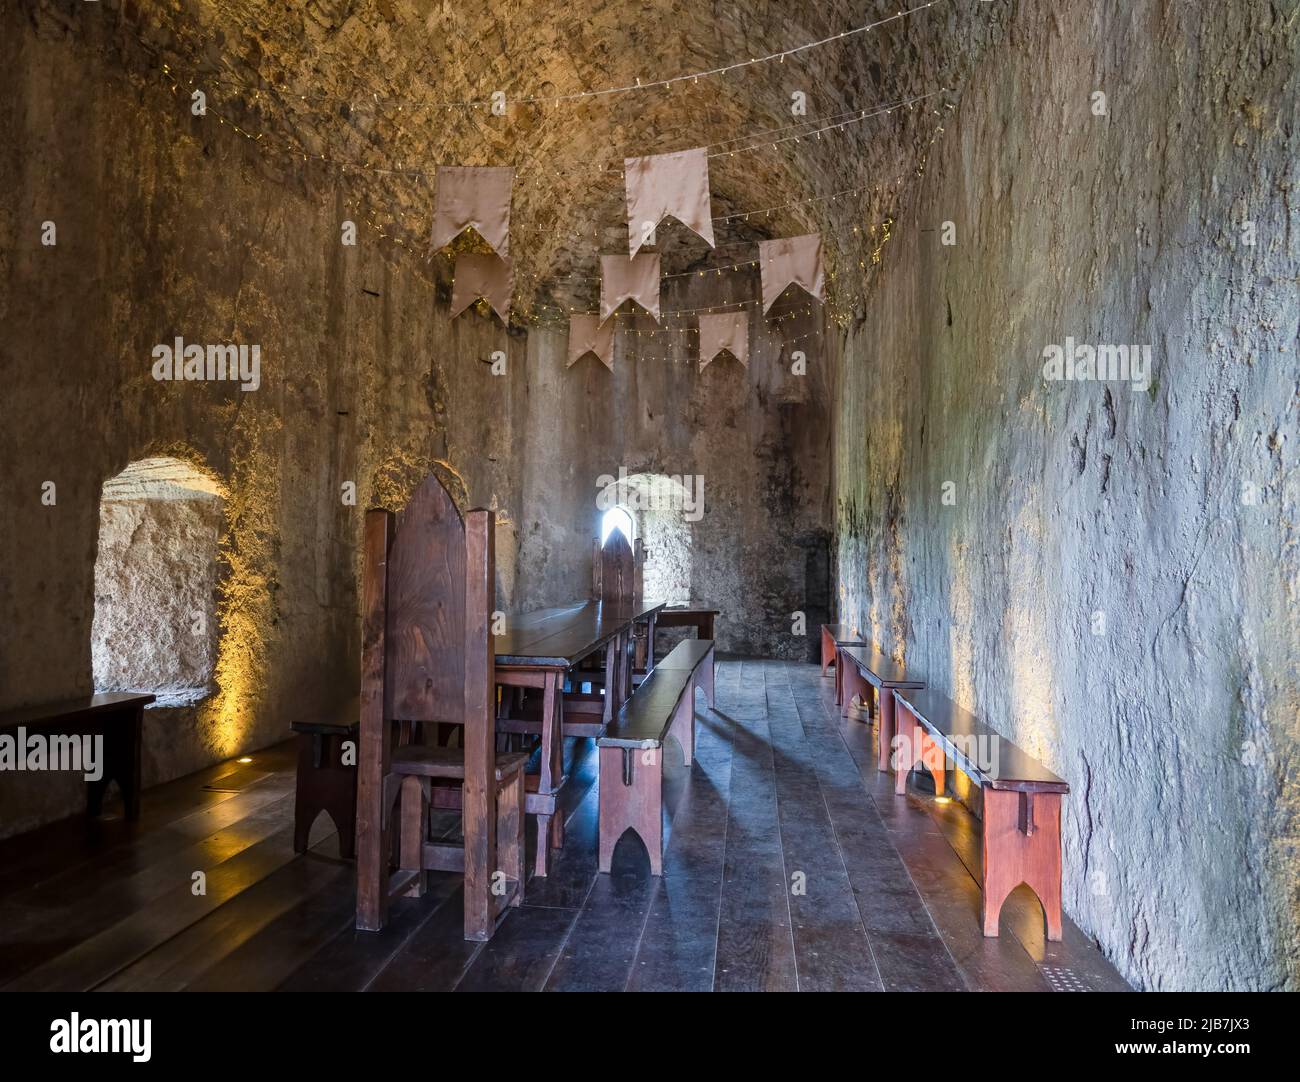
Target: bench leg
<point>851,684</point>
<point>885,728</point>
<point>121,762</point>
<point>631,798</point>
<point>1022,844</point>
<point>905,745</point>
<point>911,746</point>
<point>828,651</point>
<point>932,759</point>
<point>683,723</point>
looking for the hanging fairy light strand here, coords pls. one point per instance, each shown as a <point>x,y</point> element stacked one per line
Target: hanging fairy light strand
<point>538,100</point>
<point>856,116</point>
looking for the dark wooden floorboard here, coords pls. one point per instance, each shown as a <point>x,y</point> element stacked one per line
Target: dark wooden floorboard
<point>57,916</point>
<point>780,785</point>
<point>908,950</point>
<point>832,952</point>
<point>97,959</point>
<point>250,934</point>
<point>755,945</point>
<point>678,943</point>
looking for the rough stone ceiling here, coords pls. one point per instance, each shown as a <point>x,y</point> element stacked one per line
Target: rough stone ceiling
<point>366,82</point>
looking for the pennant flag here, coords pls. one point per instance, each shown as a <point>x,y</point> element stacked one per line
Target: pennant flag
<point>791,261</point>
<point>477,196</point>
<point>486,276</point>
<point>727,330</point>
<point>587,334</point>
<point>663,184</point>
<point>635,279</point>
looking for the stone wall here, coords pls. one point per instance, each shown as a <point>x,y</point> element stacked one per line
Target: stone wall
<point>1112,583</point>
<point>169,225</point>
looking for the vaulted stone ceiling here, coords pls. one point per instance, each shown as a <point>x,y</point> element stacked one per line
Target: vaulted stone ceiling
<point>363,84</point>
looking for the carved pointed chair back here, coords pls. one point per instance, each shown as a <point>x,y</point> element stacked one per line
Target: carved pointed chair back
<point>427,657</point>
<point>598,564</point>
<point>615,564</point>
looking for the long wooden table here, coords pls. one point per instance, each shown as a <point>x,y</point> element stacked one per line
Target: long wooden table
<point>539,650</point>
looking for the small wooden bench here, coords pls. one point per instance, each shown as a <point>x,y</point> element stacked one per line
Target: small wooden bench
<point>860,667</point>
<point>833,637</point>
<point>631,751</point>
<point>324,783</point>
<point>1021,822</point>
<point>117,716</point>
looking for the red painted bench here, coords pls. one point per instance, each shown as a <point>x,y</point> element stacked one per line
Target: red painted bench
<point>860,667</point>
<point>833,637</point>
<point>1021,821</point>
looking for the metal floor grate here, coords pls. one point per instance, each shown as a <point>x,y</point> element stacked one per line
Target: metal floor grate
<point>1065,980</point>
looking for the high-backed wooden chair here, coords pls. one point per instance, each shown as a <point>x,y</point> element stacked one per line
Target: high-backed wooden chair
<point>427,658</point>
<point>616,568</point>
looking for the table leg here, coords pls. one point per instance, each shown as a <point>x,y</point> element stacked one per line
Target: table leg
<point>885,728</point>
<point>611,654</point>
<point>552,766</point>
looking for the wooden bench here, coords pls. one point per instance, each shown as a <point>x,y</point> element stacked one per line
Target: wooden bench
<point>117,716</point>
<point>324,783</point>
<point>860,667</point>
<point>631,751</point>
<point>697,656</point>
<point>1021,822</point>
<point>833,637</point>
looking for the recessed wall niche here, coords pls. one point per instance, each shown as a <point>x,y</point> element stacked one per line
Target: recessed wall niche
<point>156,578</point>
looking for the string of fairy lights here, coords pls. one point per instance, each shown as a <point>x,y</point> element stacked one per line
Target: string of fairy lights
<point>771,138</point>
<point>499,99</point>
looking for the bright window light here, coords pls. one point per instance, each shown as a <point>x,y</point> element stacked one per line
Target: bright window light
<point>616,519</point>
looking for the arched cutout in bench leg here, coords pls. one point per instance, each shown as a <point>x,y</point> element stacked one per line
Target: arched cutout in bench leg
<point>631,798</point>
<point>1022,844</point>
<point>911,746</point>
<point>851,684</point>
<point>707,675</point>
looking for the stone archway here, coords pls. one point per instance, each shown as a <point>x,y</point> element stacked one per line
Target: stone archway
<point>657,504</point>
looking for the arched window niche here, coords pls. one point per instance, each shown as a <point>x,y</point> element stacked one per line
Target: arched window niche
<point>156,577</point>
<point>654,507</point>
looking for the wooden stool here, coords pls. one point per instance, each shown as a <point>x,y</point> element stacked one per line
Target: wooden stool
<point>324,783</point>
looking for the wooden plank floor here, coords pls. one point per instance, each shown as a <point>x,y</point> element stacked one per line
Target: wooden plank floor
<point>790,865</point>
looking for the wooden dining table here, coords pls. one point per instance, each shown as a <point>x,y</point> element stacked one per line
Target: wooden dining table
<point>542,650</point>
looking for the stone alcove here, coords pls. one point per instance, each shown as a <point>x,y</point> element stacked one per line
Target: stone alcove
<point>156,579</point>
<point>658,508</point>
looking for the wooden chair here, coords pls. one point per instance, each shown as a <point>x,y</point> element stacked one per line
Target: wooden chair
<point>426,659</point>
<point>615,583</point>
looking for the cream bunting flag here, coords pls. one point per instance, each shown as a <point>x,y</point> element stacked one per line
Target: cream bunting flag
<point>663,184</point>
<point>486,276</point>
<point>635,279</point>
<point>587,334</point>
<point>726,330</point>
<point>477,196</point>
<point>791,261</point>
